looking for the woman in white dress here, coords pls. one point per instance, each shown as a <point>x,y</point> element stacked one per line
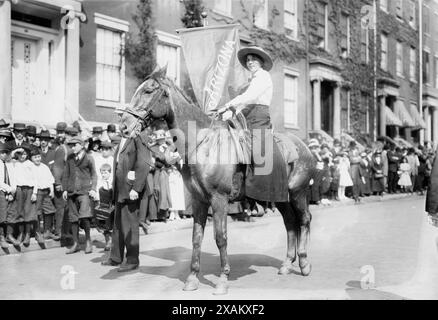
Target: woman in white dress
<point>405,175</point>
<point>177,198</point>
<point>344,176</point>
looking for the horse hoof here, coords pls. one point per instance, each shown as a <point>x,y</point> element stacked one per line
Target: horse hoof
<point>306,269</point>
<point>221,289</point>
<point>285,270</point>
<point>192,284</point>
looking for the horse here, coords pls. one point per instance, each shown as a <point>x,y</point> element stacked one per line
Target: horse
<point>158,98</point>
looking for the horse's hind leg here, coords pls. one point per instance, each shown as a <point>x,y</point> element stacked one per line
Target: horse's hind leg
<point>220,210</point>
<point>304,218</point>
<point>200,211</point>
<point>290,223</point>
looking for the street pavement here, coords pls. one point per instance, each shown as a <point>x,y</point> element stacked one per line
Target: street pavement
<point>375,250</point>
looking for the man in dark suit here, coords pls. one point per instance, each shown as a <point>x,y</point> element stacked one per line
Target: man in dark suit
<point>131,166</point>
<point>19,141</point>
<point>47,153</point>
<point>4,124</point>
<point>393,162</point>
<point>31,134</point>
<point>432,194</point>
<point>111,131</point>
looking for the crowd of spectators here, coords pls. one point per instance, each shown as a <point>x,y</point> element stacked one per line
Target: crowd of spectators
<point>343,171</point>
<point>54,182</point>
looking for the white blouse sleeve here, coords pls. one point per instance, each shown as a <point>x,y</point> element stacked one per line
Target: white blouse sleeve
<point>257,87</point>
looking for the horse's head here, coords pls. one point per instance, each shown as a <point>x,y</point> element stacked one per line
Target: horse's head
<point>149,102</point>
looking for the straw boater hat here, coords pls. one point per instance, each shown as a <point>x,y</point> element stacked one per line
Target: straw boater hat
<point>257,51</point>
<point>313,143</point>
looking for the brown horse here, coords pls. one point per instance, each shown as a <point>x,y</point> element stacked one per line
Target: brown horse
<point>211,184</point>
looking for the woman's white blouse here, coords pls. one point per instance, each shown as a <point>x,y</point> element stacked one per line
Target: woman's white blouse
<point>259,91</point>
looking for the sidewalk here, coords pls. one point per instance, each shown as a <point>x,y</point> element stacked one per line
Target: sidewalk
<point>159,227</point>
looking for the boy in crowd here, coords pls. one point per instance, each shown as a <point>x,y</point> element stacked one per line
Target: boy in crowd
<point>79,184</point>
<point>22,210</point>
<point>105,155</point>
<point>6,192</point>
<point>105,209</point>
<point>45,193</point>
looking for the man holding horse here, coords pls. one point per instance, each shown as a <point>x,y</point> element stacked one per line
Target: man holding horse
<point>131,167</point>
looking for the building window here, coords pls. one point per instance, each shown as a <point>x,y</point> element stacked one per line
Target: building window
<point>399,8</point>
<point>290,100</point>
<point>345,109</point>
<point>384,57</point>
<point>321,24</point>
<point>223,6</point>
<point>290,18</point>
<point>384,5</point>
<point>108,65</point>
<point>364,103</point>
<point>168,53</point>
<point>426,68</point>
<point>426,20</point>
<point>110,60</point>
<point>261,13</point>
<point>345,35</point>
<point>413,65</point>
<point>364,53</point>
<point>412,14</point>
<point>436,72</point>
<point>399,59</point>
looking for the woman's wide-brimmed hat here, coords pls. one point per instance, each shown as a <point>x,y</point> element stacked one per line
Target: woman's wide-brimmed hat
<point>257,51</point>
<point>313,143</point>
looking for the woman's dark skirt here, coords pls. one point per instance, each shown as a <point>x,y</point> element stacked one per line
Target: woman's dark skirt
<point>270,185</point>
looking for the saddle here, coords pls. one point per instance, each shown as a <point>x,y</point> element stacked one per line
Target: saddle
<point>237,127</point>
<point>264,185</point>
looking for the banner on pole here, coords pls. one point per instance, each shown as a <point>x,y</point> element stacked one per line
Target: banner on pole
<point>211,58</point>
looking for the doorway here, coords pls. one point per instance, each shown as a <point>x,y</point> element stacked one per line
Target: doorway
<point>24,77</point>
<point>327,102</point>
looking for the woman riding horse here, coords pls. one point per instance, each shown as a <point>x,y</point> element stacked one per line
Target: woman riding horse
<point>255,101</point>
<point>254,104</point>
<point>211,183</point>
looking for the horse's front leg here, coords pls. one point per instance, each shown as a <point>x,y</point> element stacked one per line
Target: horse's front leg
<point>290,224</point>
<point>220,211</point>
<point>200,211</point>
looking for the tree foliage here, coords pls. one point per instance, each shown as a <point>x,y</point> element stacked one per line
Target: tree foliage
<point>192,14</point>
<point>140,49</point>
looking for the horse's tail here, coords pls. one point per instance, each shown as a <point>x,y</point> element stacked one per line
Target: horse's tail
<point>304,168</point>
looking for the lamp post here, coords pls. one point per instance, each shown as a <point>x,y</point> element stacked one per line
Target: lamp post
<point>204,15</point>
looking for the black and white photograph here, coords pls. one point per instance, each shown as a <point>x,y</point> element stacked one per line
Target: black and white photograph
<point>228,151</point>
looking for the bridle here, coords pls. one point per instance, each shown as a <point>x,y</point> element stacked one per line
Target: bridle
<point>146,119</point>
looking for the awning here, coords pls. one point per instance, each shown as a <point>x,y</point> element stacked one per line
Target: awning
<point>419,122</point>
<point>402,113</point>
<point>403,142</point>
<point>321,135</point>
<point>391,118</point>
<point>347,138</point>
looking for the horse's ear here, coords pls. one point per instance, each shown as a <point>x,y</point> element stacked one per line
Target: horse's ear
<point>159,73</point>
<point>163,72</point>
<point>156,70</point>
